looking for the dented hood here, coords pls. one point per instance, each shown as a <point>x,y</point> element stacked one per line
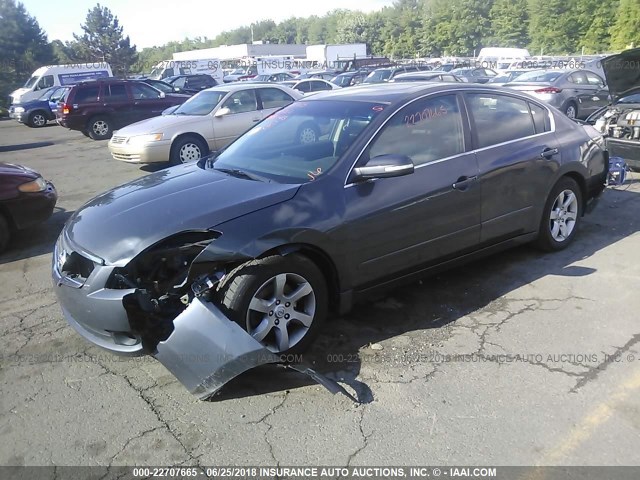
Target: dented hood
<point>622,72</point>
<point>134,216</point>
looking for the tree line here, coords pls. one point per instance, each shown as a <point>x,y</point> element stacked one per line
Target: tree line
<point>406,29</point>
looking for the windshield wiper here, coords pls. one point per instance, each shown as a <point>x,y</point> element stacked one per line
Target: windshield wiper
<point>236,172</point>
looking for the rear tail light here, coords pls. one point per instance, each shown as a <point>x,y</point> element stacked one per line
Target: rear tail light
<point>548,90</point>
<point>65,109</point>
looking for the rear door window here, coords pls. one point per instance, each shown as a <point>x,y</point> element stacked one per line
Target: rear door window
<point>115,93</point>
<point>499,118</point>
<point>87,94</point>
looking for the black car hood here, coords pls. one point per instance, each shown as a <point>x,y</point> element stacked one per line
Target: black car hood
<point>117,225</point>
<point>622,72</point>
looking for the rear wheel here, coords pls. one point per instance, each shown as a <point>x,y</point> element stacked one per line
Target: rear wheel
<point>279,301</point>
<point>37,119</point>
<point>187,149</point>
<point>100,128</point>
<point>5,233</point>
<point>561,216</point>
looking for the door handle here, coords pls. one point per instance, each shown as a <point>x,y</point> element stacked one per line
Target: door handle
<point>463,183</point>
<point>255,119</point>
<point>549,152</point>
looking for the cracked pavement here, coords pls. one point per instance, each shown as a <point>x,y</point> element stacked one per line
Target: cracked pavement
<point>523,358</point>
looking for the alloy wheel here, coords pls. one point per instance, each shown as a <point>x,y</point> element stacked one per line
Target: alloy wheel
<point>100,127</point>
<point>563,216</point>
<point>38,120</point>
<point>281,311</point>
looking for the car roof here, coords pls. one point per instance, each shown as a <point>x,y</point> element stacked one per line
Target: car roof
<point>232,87</point>
<point>388,93</point>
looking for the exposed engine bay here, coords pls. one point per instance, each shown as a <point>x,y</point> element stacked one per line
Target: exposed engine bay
<point>621,123</point>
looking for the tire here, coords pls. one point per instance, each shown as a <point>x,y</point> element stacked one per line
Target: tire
<point>37,119</point>
<point>5,233</point>
<point>571,110</point>
<point>308,133</point>
<point>85,133</point>
<point>100,128</point>
<point>565,204</point>
<point>187,149</point>
<point>250,298</point>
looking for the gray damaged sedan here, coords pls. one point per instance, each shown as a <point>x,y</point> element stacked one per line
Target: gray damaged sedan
<point>239,258</point>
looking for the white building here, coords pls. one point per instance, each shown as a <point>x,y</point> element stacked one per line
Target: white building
<point>230,52</point>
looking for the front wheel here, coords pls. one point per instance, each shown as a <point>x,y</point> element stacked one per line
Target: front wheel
<point>37,119</point>
<point>186,150</point>
<point>561,216</point>
<point>279,301</point>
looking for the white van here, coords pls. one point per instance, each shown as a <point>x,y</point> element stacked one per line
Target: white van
<point>169,68</point>
<point>59,75</point>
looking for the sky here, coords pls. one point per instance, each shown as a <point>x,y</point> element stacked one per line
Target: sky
<point>150,23</point>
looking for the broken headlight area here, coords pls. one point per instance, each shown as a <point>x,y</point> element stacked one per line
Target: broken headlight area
<point>163,277</point>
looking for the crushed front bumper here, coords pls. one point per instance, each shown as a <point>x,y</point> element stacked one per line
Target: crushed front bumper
<point>95,312</point>
<point>205,349</point>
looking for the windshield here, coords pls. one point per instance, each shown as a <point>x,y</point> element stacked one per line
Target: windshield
<point>300,142</point>
<point>378,76</point>
<point>47,93</point>
<point>342,80</point>
<point>31,82</point>
<point>538,76</point>
<point>200,104</point>
<point>633,98</point>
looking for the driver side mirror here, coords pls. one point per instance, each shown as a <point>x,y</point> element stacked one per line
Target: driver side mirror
<point>384,166</point>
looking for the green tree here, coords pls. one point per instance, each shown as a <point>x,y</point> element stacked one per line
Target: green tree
<point>597,18</point>
<point>510,23</point>
<point>553,27</point>
<point>23,46</point>
<point>626,30</point>
<point>103,40</point>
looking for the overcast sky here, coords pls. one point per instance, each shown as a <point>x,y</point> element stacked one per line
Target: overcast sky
<point>151,23</point>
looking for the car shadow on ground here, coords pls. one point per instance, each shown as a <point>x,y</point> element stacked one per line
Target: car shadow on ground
<point>154,167</point>
<point>435,302</point>
<point>36,240</point>
<point>24,146</point>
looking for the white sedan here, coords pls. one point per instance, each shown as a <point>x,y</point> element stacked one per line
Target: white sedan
<point>310,85</point>
<point>208,121</point>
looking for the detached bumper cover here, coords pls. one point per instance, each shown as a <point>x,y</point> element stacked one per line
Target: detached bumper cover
<point>206,349</point>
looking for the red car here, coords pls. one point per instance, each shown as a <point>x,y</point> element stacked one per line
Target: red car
<point>25,199</point>
<point>98,107</point>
